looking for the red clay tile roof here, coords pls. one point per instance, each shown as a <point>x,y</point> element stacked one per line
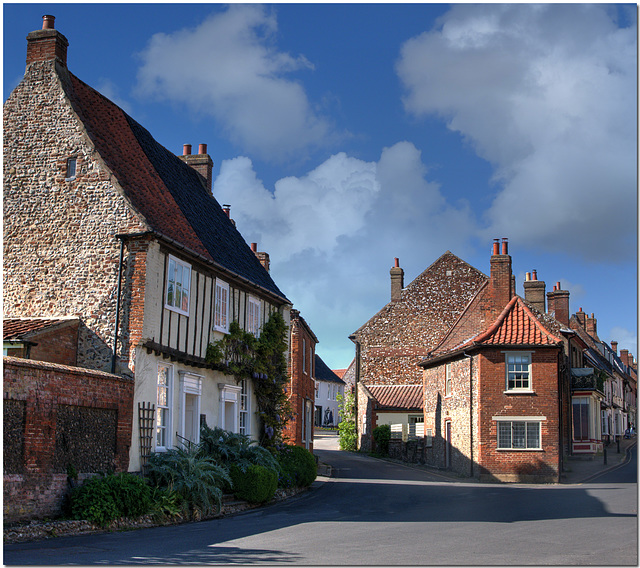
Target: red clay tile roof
<point>339,372</point>
<point>401,397</point>
<point>19,328</point>
<point>166,192</point>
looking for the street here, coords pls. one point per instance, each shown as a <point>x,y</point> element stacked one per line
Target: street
<point>380,513</point>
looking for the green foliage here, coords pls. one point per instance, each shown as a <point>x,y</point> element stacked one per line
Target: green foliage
<point>382,435</point>
<point>347,432</point>
<point>197,479</point>
<point>255,484</point>
<point>298,465</point>
<point>102,499</point>
<point>166,504</point>
<point>263,361</point>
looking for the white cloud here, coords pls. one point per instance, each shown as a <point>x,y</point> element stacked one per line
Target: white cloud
<point>626,340</point>
<point>332,234</point>
<point>228,67</point>
<point>547,94</point>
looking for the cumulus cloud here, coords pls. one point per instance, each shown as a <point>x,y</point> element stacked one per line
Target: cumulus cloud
<point>546,94</point>
<point>229,68</point>
<point>333,233</point>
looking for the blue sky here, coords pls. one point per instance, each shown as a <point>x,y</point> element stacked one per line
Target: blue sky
<point>346,135</point>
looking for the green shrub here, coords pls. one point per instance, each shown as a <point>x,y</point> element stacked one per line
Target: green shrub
<point>102,499</point>
<point>256,484</point>
<point>197,479</point>
<point>382,435</point>
<point>166,504</point>
<point>299,468</point>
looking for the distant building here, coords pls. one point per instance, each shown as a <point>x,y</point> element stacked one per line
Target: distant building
<point>327,389</point>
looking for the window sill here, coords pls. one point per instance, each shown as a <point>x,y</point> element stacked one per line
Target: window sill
<point>176,310</point>
<point>519,449</point>
<point>519,391</point>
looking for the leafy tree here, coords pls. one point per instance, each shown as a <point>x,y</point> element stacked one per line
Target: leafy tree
<point>347,432</point>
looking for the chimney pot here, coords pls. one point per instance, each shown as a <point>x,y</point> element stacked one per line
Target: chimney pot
<point>254,247</point>
<point>527,276</point>
<point>186,150</point>
<point>558,285</point>
<point>48,22</point>
<point>614,346</point>
<point>496,246</point>
<point>227,209</point>
<point>202,149</point>
<point>397,262</point>
<point>505,246</point>
<point>534,275</point>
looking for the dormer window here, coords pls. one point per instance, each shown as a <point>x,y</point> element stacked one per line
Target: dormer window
<point>71,169</point>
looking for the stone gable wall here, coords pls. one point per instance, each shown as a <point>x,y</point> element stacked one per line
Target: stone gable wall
<point>57,416</point>
<point>60,251</point>
<point>396,339</point>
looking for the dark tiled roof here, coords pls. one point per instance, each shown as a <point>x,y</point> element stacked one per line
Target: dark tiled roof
<point>17,329</point>
<point>165,191</point>
<point>401,397</point>
<point>323,373</point>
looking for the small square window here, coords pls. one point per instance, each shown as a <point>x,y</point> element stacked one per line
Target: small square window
<point>71,169</point>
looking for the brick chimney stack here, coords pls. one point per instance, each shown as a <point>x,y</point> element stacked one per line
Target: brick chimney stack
<point>501,281</point>
<point>263,257</point>
<point>47,44</point>
<point>561,304</point>
<point>201,162</point>
<point>581,317</point>
<point>397,281</point>
<point>592,326</point>
<point>614,346</point>
<point>534,291</point>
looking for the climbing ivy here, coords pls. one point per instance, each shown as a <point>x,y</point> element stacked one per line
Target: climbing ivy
<point>263,361</point>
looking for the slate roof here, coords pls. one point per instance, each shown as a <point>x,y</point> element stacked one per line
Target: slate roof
<point>398,397</point>
<point>20,329</point>
<point>166,192</point>
<point>323,373</point>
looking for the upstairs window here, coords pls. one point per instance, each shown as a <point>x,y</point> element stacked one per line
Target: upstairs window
<point>518,371</point>
<point>253,316</point>
<point>178,286</point>
<point>221,315</point>
<point>70,174</point>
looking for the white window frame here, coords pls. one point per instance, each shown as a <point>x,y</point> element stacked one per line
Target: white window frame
<point>244,426</point>
<point>518,354</point>
<point>221,307</point>
<point>164,410</point>
<point>447,380</point>
<point>171,278</point>
<point>527,421</point>
<point>253,316</point>
<point>304,355</point>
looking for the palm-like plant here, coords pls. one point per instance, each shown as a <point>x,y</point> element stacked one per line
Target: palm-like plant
<point>196,478</point>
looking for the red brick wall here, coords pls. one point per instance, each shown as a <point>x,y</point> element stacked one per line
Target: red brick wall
<point>57,346</point>
<point>514,465</point>
<point>37,491</point>
<point>301,385</point>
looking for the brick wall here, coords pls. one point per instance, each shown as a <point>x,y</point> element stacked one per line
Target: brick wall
<point>301,384</point>
<point>38,397</point>
<point>57,346</point>
<point>519,465</point>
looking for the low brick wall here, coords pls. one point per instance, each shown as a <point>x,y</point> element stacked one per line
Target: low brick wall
<point>57,418</point>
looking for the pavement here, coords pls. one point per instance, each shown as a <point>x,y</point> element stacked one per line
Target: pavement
<point>577,468</point>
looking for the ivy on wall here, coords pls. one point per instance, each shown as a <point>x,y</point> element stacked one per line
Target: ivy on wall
<point>263,361</point>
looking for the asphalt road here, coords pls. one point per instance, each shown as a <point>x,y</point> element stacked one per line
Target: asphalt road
<point>378,513</point>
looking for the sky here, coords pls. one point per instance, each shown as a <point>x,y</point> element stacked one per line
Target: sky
<point>346,135</point>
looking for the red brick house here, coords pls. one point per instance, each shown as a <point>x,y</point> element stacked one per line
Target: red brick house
<point>392,343</point>
<point>301,391</point>
<point>104,224</point>
<point>496,402</point>
<point>42,339</point>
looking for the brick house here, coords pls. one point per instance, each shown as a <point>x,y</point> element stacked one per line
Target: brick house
<point>328,387</point>
<point>299,428</point>
<point>392,343</point>
<point>104,224</point>
<point>496,388</point>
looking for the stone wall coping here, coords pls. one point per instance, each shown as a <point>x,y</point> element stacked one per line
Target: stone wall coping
<point>46,366</point>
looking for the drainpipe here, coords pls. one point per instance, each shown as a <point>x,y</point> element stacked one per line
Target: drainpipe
<point>470,413</point>
<point>115,331</point>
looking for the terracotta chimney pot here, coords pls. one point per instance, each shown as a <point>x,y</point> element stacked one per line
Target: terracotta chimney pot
<point>186,150</point>
<point>202,149</point>
<point>48,22</point>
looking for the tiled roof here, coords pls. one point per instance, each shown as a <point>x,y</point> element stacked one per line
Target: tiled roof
<point>17,329</point>
<point>339,372</point>
<point>401,397</point>
<point>323,373</point>
<point>165,191</point>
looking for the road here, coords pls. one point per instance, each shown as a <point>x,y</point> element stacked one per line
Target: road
<point>378,513</point>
